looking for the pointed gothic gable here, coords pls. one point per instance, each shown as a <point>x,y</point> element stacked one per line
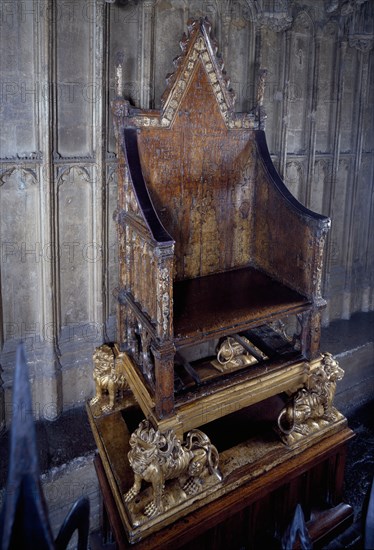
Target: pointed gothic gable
<point>199,49</point>
<point>190,169</point>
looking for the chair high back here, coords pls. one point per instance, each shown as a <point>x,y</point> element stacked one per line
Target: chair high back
<point>211,242</point>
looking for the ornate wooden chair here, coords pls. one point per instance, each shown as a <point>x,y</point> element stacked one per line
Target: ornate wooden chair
<point>212,245</point>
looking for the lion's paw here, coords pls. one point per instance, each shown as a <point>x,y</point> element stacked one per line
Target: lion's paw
<point>130,495</point>
<point>330,417</point>
<point>191,487</point>
<point>107,408</point>
<point>302,429</point>
<point>151,510</point>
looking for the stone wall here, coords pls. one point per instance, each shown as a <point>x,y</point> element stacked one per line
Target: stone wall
<point>57,169</point>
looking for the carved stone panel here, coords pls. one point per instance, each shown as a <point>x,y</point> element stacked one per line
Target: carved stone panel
<point>275,89</point>
<point>326,94</point>
<point>22,255</point>
<point>20,86</point>
<point>339,211</point>
<point>76,87</point>
<point>369,109</point>
<point>123,47</point>
<point>338,240</point>
<point>240,40</point>
<point>321,181</point>
<point>76,250</point>
<point>362,261</point>
<point>295,178</point>
<point>301,67</point>
<point>169,20</point>
<point>348,101</point>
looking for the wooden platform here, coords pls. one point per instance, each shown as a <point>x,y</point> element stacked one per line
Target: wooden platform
<point>263,482</point>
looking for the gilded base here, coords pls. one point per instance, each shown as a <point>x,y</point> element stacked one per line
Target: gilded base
<point>157,457</point>
<point>178,497</point>
<point>316,429</point>
<point>105,407</point>
<point>243,463</point>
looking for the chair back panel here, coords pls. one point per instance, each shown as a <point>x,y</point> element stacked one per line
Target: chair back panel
<point>200,175</point>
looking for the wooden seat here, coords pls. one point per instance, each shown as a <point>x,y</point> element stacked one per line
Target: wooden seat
<point>211,242</point>
<point>231,301</point>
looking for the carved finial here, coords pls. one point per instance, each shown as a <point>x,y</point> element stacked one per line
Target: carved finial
<point>119,86</point>
<point>260,111</point>
<point>120,57</point>
<point>261,87</point>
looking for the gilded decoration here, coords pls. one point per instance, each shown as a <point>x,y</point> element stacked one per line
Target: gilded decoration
<point>235,353</point>
<point>109,378</point>
<point>197,46</point>
<point>156,457</point>
<point>311,408</point>
<point>145,357</point>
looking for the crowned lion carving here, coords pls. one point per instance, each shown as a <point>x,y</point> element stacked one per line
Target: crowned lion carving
<point>156,457</point>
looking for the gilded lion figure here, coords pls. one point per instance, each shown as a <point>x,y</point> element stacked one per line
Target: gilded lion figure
<point>156,457</point>
<point>310,405</point>
<point>108,374</point>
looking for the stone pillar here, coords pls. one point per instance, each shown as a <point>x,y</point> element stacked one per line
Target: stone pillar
<point>147,52</point>
<point>2,404</point>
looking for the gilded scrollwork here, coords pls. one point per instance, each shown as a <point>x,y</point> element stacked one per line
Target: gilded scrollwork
<point>145,356</point>
<point>317,277</point>
<point>164,284</point>
<point>311,407</point>
<point>156,457</point>
<point>164,301</point>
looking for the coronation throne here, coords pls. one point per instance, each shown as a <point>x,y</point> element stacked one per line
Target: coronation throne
<point>219,315</point>
<point>212,246</point>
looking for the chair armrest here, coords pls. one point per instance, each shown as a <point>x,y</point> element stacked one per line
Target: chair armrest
<point>131,152</point>
<point>147,248</point>
<point>290,238</point>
